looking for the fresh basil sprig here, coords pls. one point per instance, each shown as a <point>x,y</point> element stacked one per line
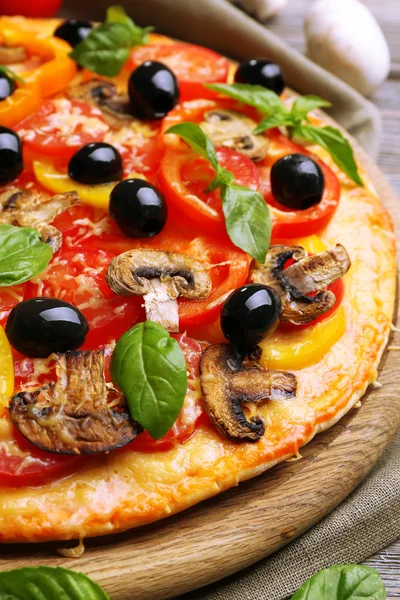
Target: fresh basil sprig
<point>296,120</point>
<point>247,217</point>
<point>11,74</point>
<point>343,582</point>
<point>22,254</point>
<point>106,49</point>
<point>48,583</point>
<point>149,368</point>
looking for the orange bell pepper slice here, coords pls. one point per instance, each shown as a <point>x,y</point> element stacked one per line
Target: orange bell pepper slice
<point>24,101</point>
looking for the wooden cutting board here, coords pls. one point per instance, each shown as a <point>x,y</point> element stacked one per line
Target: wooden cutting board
<point>241,526</point>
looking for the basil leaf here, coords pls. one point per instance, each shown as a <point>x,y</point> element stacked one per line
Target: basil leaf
<point>254,95</point>
<point>306,104</point>
<point>277,119</point>
<point>106,49</point>
<point>224,177</point>
<point>248,221</point>
<point>336,144</point>
<point>22,254</point>
<point>11,74</point>
<point>195,137</point>
<point>149,367</point>
<point>48,583</point>
<point>343,582</point>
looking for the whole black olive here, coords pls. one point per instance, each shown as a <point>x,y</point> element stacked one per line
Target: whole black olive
<point>259,71</point>
<point>40,326</point>
<point>7,86</point>
<point>11,164</point>
<point>153,90</point>
<point>73,31</point>
<point>250,314</point>
<point>138,208</point>
<point>96,163</point>
<point>297,182</point>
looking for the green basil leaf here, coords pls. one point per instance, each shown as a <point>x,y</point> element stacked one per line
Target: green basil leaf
<point>255,95</point>
<point>22,254</point>
<point>343,582</point>
<point>48,583</point>
<point>149,367</point>
<point>106,49</point>
<point>224,177</point>
<point>306,104</point>
<point>195,137</point>
<point>248,221</point>
<point>11,74</point>
<point>277,119</point>
<point>336,144</point>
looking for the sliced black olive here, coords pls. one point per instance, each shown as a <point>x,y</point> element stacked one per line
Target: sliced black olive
<point>11,164</point>
<point>258,71</point>
<point>7,86</point>
<point>250,314</point>
<point>138,208</point>
<point>153,90</point>
<point>73,31</point>
<point>297,182</point>
<point>96,163</point>
<point>40,326</point>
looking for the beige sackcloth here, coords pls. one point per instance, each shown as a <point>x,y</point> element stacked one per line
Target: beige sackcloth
<point>369,519</point>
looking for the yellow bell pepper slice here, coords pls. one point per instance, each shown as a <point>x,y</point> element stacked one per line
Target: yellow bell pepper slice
<point>6,371</point>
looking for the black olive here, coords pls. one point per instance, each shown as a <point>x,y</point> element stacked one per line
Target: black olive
<point>40,326</point>
<point>259,71</point>
<point>250,314</point>
<point>297,182</point>
<point>153,90</point>
<point>138,208</point>
<point>11,164</point>
<point>73,31</point>
<point>7,86</point>
<point>96,163</point>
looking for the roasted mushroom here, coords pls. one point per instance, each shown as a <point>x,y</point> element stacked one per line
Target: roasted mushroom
<point>25,209</point>
<point>235,130</point>
<point>103,94</point>
<point>160,277</point>
<point>226,384</point>
<point>77,414</point>
<point>307,274</point>
<point>10,55</point>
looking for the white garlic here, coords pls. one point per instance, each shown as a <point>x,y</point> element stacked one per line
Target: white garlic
<point>344,38</point>
<point>262,9</point>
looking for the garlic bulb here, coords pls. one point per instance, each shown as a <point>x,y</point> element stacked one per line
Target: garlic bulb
<point>262,9</point>
<point>344,38</point>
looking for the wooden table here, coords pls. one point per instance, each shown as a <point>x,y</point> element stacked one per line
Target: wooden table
<point>288,24</point>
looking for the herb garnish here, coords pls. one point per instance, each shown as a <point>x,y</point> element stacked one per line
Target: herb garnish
<point>22,254</point>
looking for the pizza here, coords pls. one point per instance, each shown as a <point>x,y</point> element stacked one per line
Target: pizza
<point>197,275</point>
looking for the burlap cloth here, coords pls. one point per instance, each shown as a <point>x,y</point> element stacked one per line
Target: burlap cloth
<point>370,517</point>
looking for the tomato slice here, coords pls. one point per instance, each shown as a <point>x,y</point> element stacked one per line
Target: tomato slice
<point>184,177</point>
<point>192,65</point>
<point>43,8</point>
<point>60,128</point>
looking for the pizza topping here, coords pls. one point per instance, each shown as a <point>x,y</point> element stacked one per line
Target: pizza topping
<point>258,71</point>
<point>160,277</point>
<point>10,55</point>
<point>235,130</point>
<point>226,384</point>
<point>250,314</point>
<point>79,414</point>
<point>297,182</point>
<point>7,84</point>
<point>308,274</point>
<point>103,94</point>
<point>73,31</point>
<point>40,326</point>
<point>24,208</point>
<point>153,90</point>
<point>11,164</point>
<point>138,208</point>
<point>96,163</point>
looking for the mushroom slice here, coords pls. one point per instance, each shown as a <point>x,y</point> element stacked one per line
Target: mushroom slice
<point>10,55</point>
<point>226,384</point>
<point>160,277</point>
<point>25,209</point>
<point>77,414</point>
<point>235,130</point>
<point>307,274</point>
<point>103,94</point>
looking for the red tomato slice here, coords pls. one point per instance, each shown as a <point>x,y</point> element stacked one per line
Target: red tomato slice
<point>192,65</point>
<point>60,128</point>
<point>184,177</point>
<point>27,8</point>
<point>10,297</point>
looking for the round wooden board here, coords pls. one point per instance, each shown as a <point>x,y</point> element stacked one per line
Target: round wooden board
<point>231,531</point>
